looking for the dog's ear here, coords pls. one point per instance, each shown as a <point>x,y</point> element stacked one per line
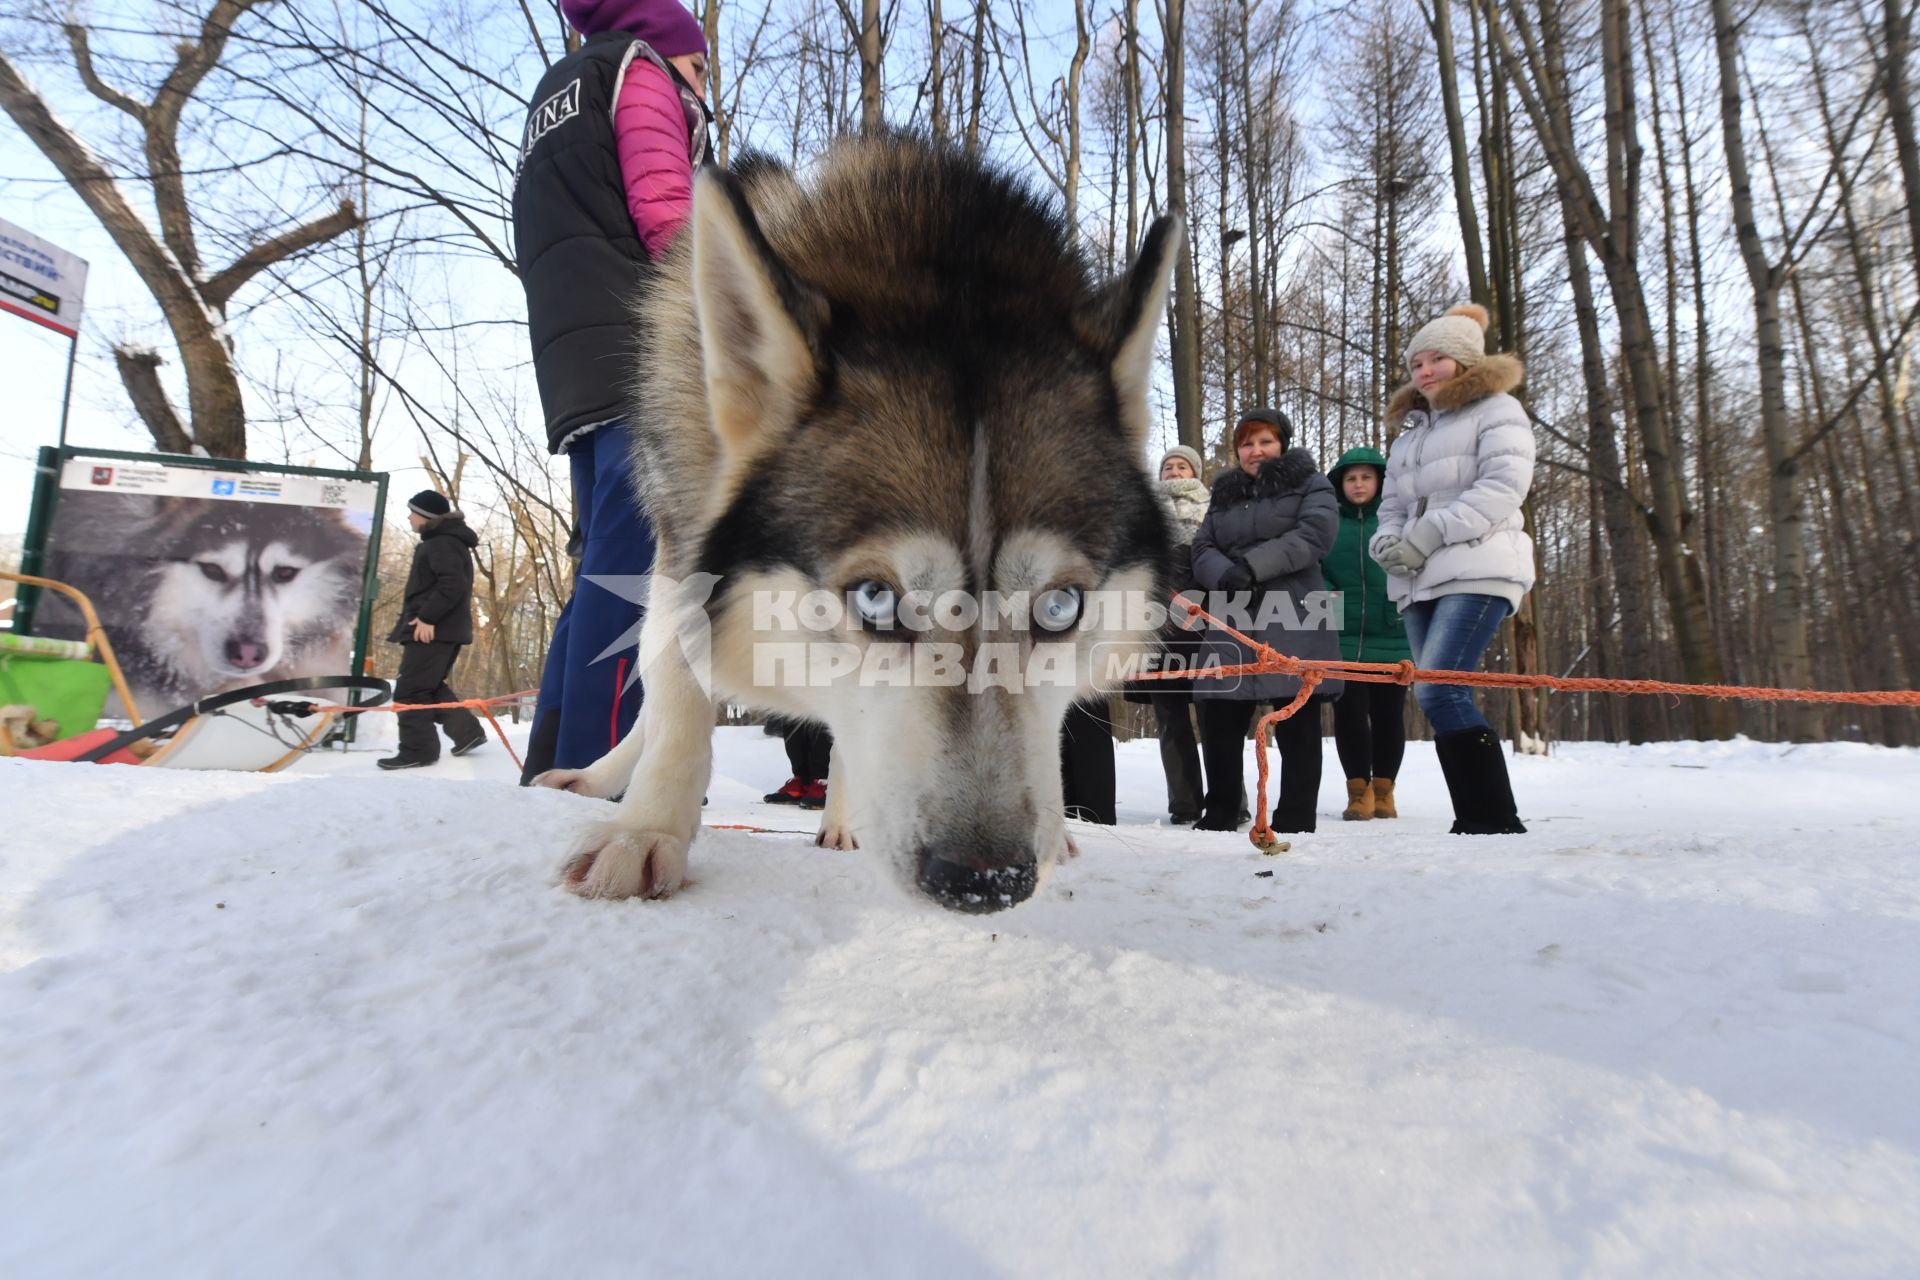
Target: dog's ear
<point>760,328</point>
<point>1142,308</point>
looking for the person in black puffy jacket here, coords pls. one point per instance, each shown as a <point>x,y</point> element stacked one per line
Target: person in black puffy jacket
<point>436,620</point>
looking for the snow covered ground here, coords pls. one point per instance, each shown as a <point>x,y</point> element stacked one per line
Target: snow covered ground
<point>337,1023</point>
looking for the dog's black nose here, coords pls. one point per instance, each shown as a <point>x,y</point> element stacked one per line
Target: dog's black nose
<point>974,889</point>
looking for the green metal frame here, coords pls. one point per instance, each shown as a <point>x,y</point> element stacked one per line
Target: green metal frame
<point>50,460</point>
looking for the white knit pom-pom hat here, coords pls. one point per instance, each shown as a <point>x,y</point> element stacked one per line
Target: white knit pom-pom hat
<point>1461,334</point>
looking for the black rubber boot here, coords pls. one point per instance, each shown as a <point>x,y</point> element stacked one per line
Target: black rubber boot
<point>1475,764</point>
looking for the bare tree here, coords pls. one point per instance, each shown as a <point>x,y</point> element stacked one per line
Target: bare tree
<point>1184,305</point>
<point>1057,119</point>
<point>1612,232</point>
<point>193,299</point>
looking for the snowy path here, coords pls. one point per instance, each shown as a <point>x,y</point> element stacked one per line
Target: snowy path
<point>333,1023</point>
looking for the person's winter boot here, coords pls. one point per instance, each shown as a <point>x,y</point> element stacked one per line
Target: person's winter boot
<point>1217,820</point>
<point>1294,822</point>
<point>814,795</point>
<point>1383,799</point>
<point>478,740</point>
<point>405,762</point>
<point>1359,800</point>
<point>1475,764</point>
<point>791,791</point>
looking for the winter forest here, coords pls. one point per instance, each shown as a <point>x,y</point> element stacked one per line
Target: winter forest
<point>1698,224</point>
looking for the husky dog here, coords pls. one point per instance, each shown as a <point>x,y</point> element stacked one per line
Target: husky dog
<point>203,595</point>
<point>896,380</point>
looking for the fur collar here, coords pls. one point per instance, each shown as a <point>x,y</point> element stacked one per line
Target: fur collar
<point>1491,376</point>
<point>1287,473</point>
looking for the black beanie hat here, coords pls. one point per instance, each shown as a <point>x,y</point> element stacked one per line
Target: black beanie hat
<point>1270,417</point>
<point>429,504</point>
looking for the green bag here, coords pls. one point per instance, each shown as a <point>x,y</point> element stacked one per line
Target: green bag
<point>71,693</point>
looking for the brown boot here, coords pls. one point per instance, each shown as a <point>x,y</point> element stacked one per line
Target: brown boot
<point>1383,799</point>
<point>1359,800</point>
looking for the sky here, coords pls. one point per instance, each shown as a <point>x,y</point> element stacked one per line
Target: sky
<point>119,309</point>
<point>32,361</point>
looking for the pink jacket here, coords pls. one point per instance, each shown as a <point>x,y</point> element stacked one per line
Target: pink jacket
<point>656,153</point>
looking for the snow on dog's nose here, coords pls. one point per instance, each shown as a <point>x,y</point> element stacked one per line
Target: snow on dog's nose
<point>246,655</point>
<point>977,882</point>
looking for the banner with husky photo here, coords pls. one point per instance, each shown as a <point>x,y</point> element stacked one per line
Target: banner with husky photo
<point>208,576</point>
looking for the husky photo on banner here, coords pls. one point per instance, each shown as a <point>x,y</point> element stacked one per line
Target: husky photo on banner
<point>210,578</point>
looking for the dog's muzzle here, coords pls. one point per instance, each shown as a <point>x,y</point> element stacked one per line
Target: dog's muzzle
<point>975,883</point>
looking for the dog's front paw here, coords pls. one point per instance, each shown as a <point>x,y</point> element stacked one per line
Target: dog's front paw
<point>1071,850</point>
<point>619,862</point>
<point>580,782</point>
<point>836,836</point>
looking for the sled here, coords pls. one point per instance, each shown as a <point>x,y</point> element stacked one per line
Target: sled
<point>58,689</point>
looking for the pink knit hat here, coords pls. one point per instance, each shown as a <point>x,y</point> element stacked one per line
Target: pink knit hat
<point>669,29</point>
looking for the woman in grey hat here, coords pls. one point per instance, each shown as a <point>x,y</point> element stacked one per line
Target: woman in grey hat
<point>1183,496</point>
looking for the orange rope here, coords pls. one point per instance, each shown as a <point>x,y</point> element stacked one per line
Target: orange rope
<point>1311,671</point>
<point>482,705</point>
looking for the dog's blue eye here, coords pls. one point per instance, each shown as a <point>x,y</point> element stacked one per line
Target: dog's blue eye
<point>213,571</point>
<point>1058,609</point>
<point>873,603</point>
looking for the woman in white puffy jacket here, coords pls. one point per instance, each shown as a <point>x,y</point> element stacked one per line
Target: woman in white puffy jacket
<point>1454,543</point>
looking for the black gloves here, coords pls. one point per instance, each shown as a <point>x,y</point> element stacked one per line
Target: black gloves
<point>1238,578</point>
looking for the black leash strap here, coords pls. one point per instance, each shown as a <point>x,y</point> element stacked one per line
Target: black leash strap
<point>214,703</point>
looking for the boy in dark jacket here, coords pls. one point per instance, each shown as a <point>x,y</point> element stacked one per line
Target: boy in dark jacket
<point>436,619</point>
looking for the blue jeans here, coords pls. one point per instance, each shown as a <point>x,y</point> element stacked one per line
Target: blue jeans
<point>1449,634</point>
<point>588,698</point>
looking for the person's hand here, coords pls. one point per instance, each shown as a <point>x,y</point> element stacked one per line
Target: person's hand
<point>1238,578</point>
<point>1398,556</point>
<point>423,631</point>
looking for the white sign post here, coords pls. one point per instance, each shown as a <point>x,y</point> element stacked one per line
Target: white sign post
<point>43,283</point>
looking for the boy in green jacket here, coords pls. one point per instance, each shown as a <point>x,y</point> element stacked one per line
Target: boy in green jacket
<point>1368,728</point>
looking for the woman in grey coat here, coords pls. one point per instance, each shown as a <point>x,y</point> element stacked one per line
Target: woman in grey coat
<point>1257,553</point>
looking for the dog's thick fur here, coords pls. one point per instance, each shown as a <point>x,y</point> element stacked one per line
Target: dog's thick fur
<point>898,371</point>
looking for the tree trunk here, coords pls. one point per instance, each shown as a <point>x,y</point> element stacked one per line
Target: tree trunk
<point>977,99</point>
<point>1186,300</point>
<point>872,106</point>
<point>722,120</point>
<point>1256,125</point>
<point>1442,26</point>
<point>1612,237</point>
<point>1897,32</point>
<point>937,70</point>
<point>1131,74</point>
<point>1787,602</point>
<point>1076,68</point>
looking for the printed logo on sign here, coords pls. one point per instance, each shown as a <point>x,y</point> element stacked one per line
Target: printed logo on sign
<point>550,115</point>
<point>102,475</point>
<point>223,488</point>
<point>29,293</point>
<point>333,495</point>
